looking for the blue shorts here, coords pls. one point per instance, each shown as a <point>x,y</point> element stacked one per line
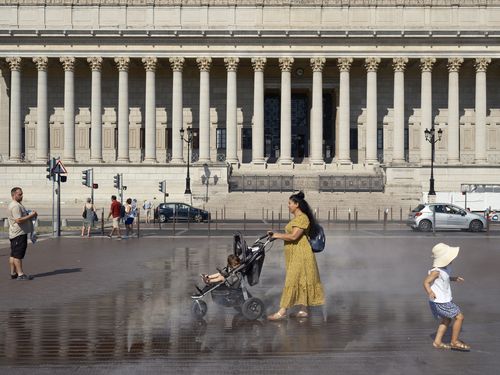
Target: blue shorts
<point>129,221</point>
<point>444,310</point>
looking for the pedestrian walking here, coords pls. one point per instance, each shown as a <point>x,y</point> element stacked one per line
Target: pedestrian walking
<point>438,288</point>
<point>20,224</point>
<point>147,207</point>
<point>88,215</point>
<point>114,212</point>
<point>130,213</point>
<point>303,286</point>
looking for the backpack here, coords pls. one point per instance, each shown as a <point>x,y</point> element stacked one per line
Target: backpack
<point>318,241</point>
<point>122,211</point>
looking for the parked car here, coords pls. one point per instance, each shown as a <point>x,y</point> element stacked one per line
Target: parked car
<point>181,211</point>
<point>448,216</point>
<point>493,216</point>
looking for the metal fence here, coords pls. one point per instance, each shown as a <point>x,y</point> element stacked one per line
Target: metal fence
<point>351,183</point>
<point>261,183</point>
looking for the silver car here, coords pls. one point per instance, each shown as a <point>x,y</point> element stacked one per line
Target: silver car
<point>448,216</point>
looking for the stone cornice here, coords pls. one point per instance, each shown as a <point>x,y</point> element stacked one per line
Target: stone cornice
<point>226,3</point>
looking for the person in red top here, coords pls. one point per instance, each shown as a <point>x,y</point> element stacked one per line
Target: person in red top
<point>114,211</point>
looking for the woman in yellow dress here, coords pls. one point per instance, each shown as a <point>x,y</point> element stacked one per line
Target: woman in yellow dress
<point>302,282</point>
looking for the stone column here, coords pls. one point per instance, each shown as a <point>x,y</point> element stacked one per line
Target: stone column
<point>259,64</point>
<point>42,126</point>
<point>69,108</point>
<point>96,110</point>
<point>453,110</point>
<point>316,154</point>
<point>177,64</point>
<point>16,129</point>
<point>481,65</point>
<point>231,110</point>
<point>150,109</point>
<point>371,64</point>
<point>426,120</point>
<point>399,65</point>
<point>343,136</point>
<point>286,64</point>
<point>122,63</point>
<point>204,64</point>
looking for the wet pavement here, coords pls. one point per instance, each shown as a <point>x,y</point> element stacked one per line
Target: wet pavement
<point>108,306</point>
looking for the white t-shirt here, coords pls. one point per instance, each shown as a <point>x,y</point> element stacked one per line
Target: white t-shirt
<point>441,286</point>
<point>17,211</point>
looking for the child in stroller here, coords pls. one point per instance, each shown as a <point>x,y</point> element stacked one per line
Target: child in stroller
<point>228,287</point>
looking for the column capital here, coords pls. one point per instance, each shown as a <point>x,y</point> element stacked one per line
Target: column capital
<point>481,64</point>
<point>344,63</point>
<point>231,63</point>
<point>427,63</point>
<point>95,63</point>
<point>399,63</point>
<point>259,63</point>
<point>177,63</point>
<point>122,63</point>
<point>371,64</point>
<point>286,63</point>
<point>204,63</point>
<point>317,64</point>
<point>68,63</point>
<point>454,64</point>
<point>14,63</point>
<point>41,62</point>
<point>150,63</point>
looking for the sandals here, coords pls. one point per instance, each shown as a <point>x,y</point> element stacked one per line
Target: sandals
<point>299,314</point>
<point>277,317</point>
<point>460,346</point>
<point>441,346</point>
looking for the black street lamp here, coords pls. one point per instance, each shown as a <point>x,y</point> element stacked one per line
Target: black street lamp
<point>430,136</point>
<point>189,140</point>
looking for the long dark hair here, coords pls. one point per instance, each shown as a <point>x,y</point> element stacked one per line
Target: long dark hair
<point>299,198</point>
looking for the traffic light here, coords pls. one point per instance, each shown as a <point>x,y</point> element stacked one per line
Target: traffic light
<point>87,178</point>
<point>116,181</point>
<point>162,186</point>
<point>51,163</point>
<point>95,186</point>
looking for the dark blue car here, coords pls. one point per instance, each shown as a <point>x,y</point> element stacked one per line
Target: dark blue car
<point>181,212</point>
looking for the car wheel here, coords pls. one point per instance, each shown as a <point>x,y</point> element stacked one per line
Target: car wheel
<point>198,218</point>
<point>425,226</point>
<point>475,226</point>
<point>162,218</point>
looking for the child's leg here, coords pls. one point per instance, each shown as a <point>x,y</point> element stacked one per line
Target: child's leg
<point>457,327</point>
<point>443,326</point>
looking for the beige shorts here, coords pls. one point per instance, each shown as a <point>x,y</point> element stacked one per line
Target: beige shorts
<point>116,222</point>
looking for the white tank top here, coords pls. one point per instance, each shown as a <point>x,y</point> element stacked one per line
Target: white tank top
<point>441,286</point>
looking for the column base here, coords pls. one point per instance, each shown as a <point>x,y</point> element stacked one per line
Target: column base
<point>398,162</point>
<point>259,164</point>
<point>177,161</point>
<point>232,161</point>
<point>453,162</point>
<point>203,161</point>
<point>123,160</point>
<point>317,164</point>
<point>481,161</point>
<point>371,162</point>
<point>285,161</point>
<point>96,160</point>
<point>14,159</point>
<point>150,161</point>
<point>343,162</point>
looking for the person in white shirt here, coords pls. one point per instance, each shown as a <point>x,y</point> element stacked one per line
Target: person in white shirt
<point>437,286</point>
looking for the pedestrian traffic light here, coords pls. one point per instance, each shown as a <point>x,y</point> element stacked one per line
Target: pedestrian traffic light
<point>116,181</point>
<point>95,186</point>
<point>51,163</point>
<point>87,178</point>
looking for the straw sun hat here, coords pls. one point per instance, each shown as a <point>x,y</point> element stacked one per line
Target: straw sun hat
<point>443,254</point>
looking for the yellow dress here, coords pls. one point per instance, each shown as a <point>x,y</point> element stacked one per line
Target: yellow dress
<point>302,282</point>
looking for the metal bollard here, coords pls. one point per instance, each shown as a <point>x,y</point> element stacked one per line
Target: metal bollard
<point>208,222</point>
<point>279,221</point>
<point>401,214</point>
<point>262,213</point>
<point>391,213</point>
<point>356,218</point>
<point>378,214</point>
<point>244,222</point>
<point>386,213</point>
<point>102,222</point>
<point>328,217</point>
<point>224,213</point>
<point>174,222</point>
<point>138,223</point>
<point>349,219</point>
<point>487,225</point>
<point>216,219</point>
<point>272,220</point>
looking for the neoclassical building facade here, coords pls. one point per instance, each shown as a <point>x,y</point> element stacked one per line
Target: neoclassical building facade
<point>303,88</point>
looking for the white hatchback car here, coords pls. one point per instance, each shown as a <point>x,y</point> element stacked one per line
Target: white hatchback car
<point>448,216</point>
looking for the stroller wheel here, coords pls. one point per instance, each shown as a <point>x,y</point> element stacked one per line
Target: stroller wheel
<point>199,308</point>
<point>252,309</point>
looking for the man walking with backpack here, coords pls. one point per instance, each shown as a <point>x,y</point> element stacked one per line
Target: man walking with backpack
<point>115,212</point>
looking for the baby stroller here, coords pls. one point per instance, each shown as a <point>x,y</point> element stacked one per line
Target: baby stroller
<point>252,259</point>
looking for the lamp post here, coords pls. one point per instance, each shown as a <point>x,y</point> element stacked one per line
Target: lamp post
<point>189,140</point>
<point>430,136</point>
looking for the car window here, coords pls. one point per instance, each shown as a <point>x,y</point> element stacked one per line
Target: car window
<point>419,208</point>
<point>453,210</point>
<point>439,208</point>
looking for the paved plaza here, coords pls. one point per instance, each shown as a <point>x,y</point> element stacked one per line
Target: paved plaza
<point>101,306</point>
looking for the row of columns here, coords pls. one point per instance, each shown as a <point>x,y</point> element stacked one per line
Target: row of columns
<point>258,63</point>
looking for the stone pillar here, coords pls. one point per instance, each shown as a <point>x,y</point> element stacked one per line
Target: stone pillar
<point>42,126</point>
<point>399,65</point>
<point>481,65</point>
<point>122,64</point>
<point>231,110</point>
<point>286,64</point>
<point>96,110</point>
<point>177,64</point>
<point>150,109</point>
<point>343,136</point>
<point>316,154</point>
<point>204,64</point>
<point>426,121</point>
<point>371,64</point>
<point>16,129</point>
<point>69,108</point>
<point>259,64</point>
<point>453,110</point>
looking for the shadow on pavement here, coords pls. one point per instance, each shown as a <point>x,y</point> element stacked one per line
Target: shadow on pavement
<point>58,272</point>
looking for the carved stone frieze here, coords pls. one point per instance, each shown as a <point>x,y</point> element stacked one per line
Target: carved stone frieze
<point>204,63</point>
<point>41,62</point>
<point>399,63</point>
<point>150,63</point>
<point>95,63</point>
<point>177,63</point>
<point>454,64</point>
<point>68,63</point>
<point>371,64</point>
<point>427,63</point>
<point>122,63</point>
<point>482,63</point>
<point>344,63</point>
<point>231,63</point>
<point>317,64</point>
<point>286,64</point>
<point>259,63</point>
<point>14,63</point>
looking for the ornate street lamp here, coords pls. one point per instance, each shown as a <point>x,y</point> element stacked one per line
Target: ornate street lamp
<point>188,140</point>
<point>430,136</point>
